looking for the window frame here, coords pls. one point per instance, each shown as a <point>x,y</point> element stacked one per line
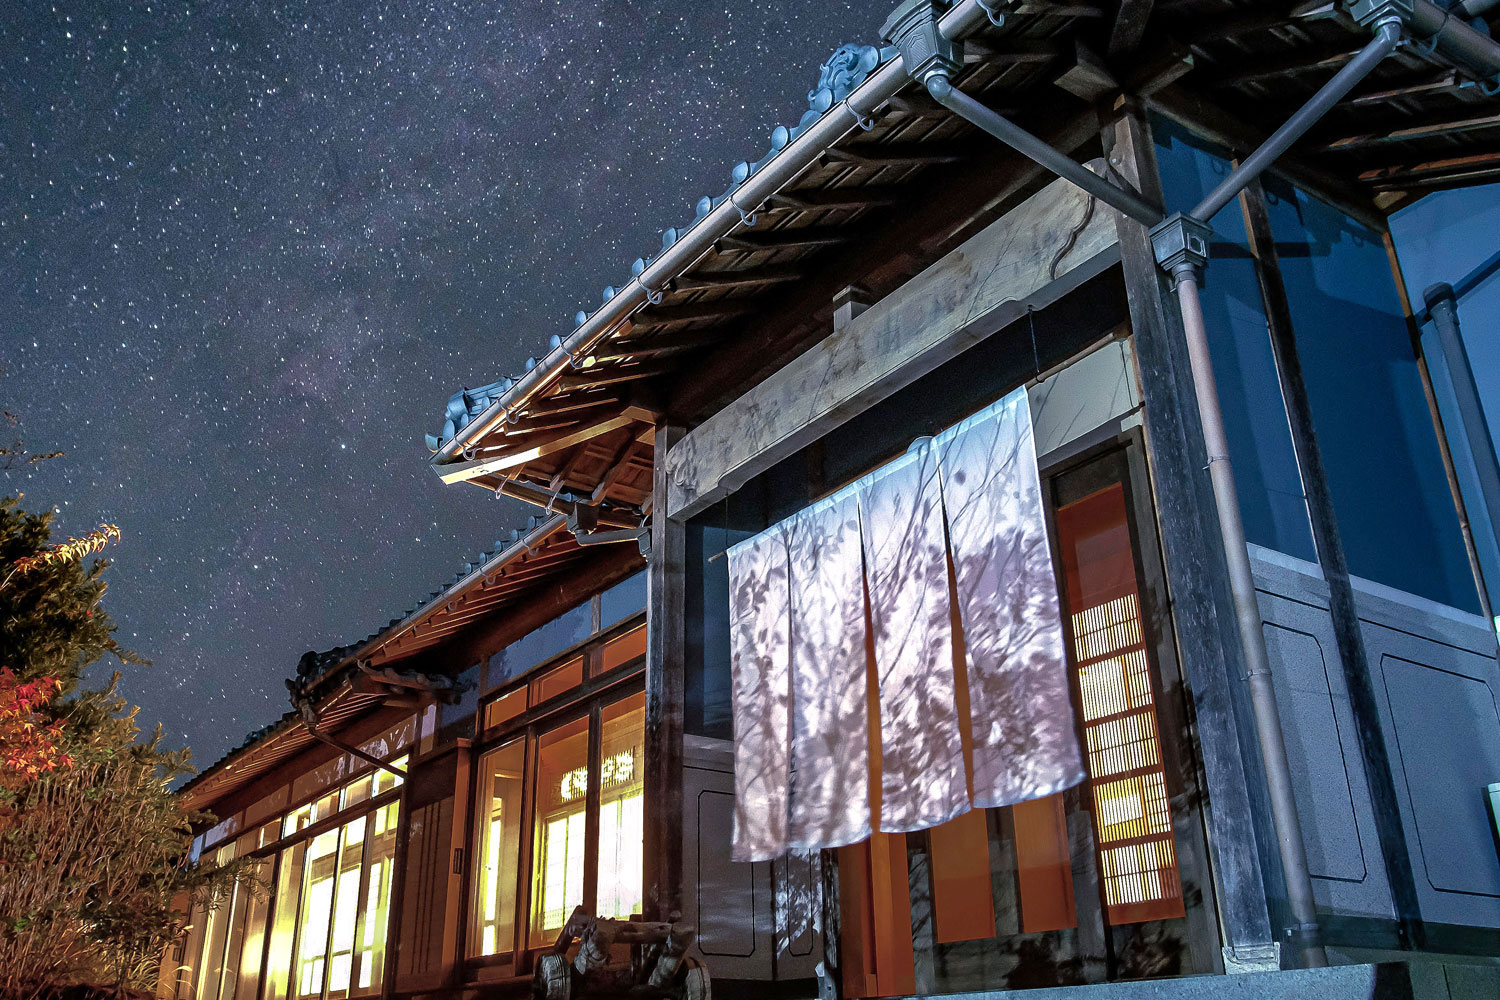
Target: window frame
<point>586,700</point>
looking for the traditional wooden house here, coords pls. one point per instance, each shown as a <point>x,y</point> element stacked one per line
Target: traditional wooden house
<point>967,664</point>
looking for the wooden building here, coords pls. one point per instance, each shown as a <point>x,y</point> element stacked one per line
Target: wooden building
<point>761,620</point>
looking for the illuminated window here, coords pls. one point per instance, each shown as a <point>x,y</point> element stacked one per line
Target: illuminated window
<point>505,708</point>
<point>622,650</point>
<point>621,820</point>
<point>558,680</point>
<point>561,819</point>
<point>1127,781</point>
<point>499,840</point>
<point>332,906</point>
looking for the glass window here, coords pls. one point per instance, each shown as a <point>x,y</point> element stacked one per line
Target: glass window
<point>375,914</point>
<point>1390,490</point>
<point>622,649</point>
<point>621,820</point>
<point>345,909</point>
<point>1266,476</point>
<point>317,910</point>
<point>567,629</point>
<point>498,839</point>
<point>559,851</point>
<point>558,680</point>
<point>624,599</point>
<point>284,925</point>
<point>505,708</point>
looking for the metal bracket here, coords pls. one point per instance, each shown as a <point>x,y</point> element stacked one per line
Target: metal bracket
<point>997,17</point>
<point>1369,13</point>
<point>748,218</point>
<point>859,119</point>
<point>1180,240</point>
<point>654,297</point>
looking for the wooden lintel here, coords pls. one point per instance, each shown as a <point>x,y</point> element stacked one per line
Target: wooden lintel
<point>782,239</point>
<point>971,292</point>
<point>457,472</point>
<point>770,275</point>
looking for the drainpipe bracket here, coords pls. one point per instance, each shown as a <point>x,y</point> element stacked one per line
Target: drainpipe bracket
<point>1180,241</point>
<point>913,29</point>
<point>1372,13</point>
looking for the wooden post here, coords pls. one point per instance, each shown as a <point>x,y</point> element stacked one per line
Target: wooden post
<point>1330,548</point>
<point>1241,842</point>
<point>666,607</point>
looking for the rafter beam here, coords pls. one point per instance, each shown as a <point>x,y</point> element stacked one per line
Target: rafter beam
<point>783,239</point>
<point>618,466</point>
<point>652,347</point>
<point>602,375</point>
<point>770,275</point>
<point>896,154</point>
<point>1326,61</point>
<point>814,199</point>
<point>1129,27</point>
<point>1379,135</point>
<point>457,472</point>
<point>656,316</point>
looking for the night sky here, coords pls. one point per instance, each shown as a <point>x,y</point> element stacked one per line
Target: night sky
<point>247,250</point>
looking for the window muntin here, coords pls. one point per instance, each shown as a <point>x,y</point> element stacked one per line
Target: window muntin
<point>621,650</point>
<point>497,843</point>
<point>1127,778</point>
<point>561,820</point>
<point>557,681</point>
<point>621,800</point>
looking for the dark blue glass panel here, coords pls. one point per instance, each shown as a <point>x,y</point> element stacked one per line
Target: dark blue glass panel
<point>458,720</point>
<point>565,630</point>
<point>624,599</point>
<point>1260,440</point>
<point>1385,471</point>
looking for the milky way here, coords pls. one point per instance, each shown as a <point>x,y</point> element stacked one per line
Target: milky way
<point>247,251</point>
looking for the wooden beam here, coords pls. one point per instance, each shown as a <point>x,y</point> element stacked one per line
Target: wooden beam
<point>963,298</point>
<point>782,239</point>
<point>1129,27</point>
<point>840,197</point>
<point>602,375</point>
<point>619,464</point>
<point>769,275</point>
<point>1325,61</point>
<point>1203,617</point>
<point>457,472</point>
<point>1408,128</point>
<point>653,317</point>
<point>916,154</point>
<point>666,650</point>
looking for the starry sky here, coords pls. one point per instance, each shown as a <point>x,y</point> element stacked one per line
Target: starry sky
<point>247,250</point>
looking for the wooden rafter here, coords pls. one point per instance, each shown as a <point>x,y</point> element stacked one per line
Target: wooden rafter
<point>840,197</point>
<point>654,346</point>
<point>602,375</point>
<point>457,472</point>
<point>783,239</point>
<point>897,154</point>
<point>658,316</point>
<point>1412,129</point>
<point>770,275</point>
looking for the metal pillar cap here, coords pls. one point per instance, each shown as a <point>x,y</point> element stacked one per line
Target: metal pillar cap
<point>1180,240</point>
<point>913,28</point>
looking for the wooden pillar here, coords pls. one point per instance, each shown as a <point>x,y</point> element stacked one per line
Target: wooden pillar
<point>666,608</point>
<point>1242,844</point>
<point>1330,548</point>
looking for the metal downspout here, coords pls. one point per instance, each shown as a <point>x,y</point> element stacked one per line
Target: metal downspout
<point>1181,247</point>
<point>1442,306</point>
